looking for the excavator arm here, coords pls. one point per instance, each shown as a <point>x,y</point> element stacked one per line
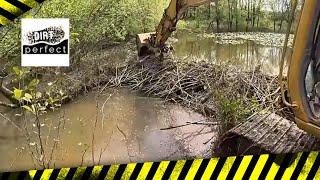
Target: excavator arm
<point>303,73</point>
<point>149,43</point>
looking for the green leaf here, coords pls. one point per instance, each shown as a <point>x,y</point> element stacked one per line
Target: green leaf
<point>33,109</point>
<point>64,97</point>
<point>26,99</point>
<point>38,95</point>
<point>25,70</point>
<point>16,70</point>
<point>28,96</point>
<point>28,109</point>
<point>33,84</point>
<point>50,100</point>
<point>17,93</point>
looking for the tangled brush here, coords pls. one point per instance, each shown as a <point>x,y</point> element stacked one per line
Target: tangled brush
<point>202,86</point>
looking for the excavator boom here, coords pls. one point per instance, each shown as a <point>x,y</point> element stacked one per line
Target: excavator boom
<point>148,43</point>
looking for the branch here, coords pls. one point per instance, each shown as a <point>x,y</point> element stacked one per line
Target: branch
<point>10,121</point>
<point>8,105</point>
<point>191,123</point>
<point>7,92</point>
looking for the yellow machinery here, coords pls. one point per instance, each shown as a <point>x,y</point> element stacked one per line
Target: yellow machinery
<point>148,43</point>
<point>304,73</point>
<point>303,77</point>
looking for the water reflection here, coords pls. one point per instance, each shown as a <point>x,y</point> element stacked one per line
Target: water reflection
<point>247,55</point>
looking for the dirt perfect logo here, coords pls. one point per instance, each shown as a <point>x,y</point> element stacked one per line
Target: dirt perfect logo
<point>45,42</point>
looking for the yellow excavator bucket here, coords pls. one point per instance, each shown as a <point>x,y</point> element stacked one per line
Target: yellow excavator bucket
<point>143,43</point>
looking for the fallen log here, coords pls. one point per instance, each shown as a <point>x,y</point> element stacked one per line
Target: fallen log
<point>266,133</point>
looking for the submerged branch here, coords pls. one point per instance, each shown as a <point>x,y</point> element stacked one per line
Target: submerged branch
<point>191,123</point>
<point>10,105</point>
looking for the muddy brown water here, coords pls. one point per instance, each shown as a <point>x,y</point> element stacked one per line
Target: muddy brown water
<point>120,126</point>
<point>127,130</point>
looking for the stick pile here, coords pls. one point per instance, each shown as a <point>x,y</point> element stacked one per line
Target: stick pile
<point>196,85</point>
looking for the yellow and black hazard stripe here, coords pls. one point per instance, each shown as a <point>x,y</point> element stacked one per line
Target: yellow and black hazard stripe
<point>11,9</point>
<point>288,166</point>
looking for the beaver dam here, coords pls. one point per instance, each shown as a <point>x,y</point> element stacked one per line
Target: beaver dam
<point>117,109</point>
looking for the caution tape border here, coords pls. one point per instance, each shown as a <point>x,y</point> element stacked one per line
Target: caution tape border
<point>240,167</point>
<point>12,9</point>
<point>267,166</point>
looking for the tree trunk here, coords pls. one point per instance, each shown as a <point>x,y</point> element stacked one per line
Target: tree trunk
<point>248,16</point>
<point>236,14</point>
<point>209,10</point>
<point>217,17</point>
<point>280,25</point>
<point>229,16</point>
<point>259,14</point>
<point>253,16</point>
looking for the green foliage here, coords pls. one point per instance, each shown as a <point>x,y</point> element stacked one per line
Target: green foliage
<point>91,22</point>
<point>33,84</point>
<point>233,109</point>
<point>235,15</point>
<point>17,94</point>
<point>30,98</point>
<point>40,103</point>
<point>20,73</point>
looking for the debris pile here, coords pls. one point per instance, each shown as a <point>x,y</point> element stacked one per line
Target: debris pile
<point>199,86</point>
